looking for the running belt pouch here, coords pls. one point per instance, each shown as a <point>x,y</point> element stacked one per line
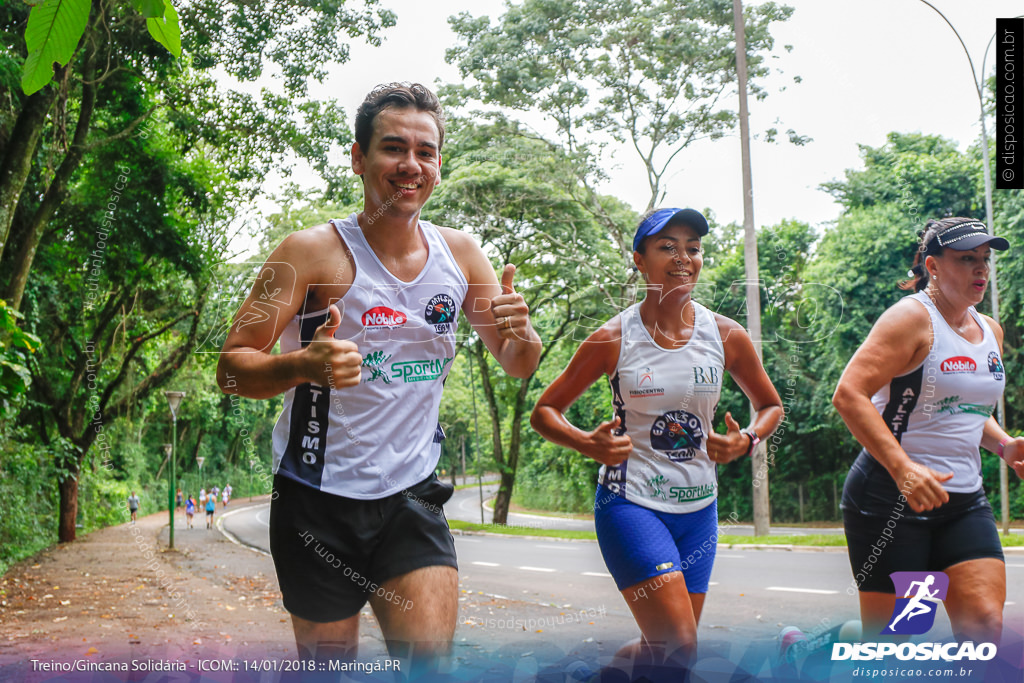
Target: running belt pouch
<point>433,490</point>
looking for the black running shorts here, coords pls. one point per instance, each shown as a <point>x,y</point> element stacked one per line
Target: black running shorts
<point>885,535</point>
<point>332,553</point>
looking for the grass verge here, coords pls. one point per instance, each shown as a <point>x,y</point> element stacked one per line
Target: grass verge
<point>831,540</point>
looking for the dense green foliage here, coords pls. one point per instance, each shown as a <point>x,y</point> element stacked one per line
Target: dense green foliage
<point>119,230</point>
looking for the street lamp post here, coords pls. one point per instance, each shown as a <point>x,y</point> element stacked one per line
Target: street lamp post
<point>169,454</point>
<point>173,401</point>
<point>199,461</point>
<point>979,87</point>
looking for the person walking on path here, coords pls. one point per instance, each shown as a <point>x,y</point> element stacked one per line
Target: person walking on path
<point>133,506</point>
<point>211,507</point>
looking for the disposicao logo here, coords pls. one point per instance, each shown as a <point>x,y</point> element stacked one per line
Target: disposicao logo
<point>914,614</point>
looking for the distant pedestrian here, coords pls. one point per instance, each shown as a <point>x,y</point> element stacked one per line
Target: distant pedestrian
<point>133,506</point>
<point>224,496</point>
<point>202,497</point>
<point>190,510</point>
<point>211,506</point>
<point>180,498</point>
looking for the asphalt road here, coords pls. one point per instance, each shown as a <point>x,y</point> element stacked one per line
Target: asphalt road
<point>754,593</point>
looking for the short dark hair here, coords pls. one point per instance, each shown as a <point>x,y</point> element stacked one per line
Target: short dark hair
<point>401,96</point>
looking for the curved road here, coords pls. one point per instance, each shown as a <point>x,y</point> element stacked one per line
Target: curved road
<point>755,592</point>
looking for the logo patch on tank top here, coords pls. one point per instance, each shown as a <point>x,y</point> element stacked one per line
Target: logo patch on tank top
<point>645,385</point>
<point>958,365</point>
<point>380,317</point>
<point>678,434</point>
<point>995,366</point>
<point>441,312</point>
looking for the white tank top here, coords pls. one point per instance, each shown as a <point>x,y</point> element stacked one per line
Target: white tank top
<point>938,411</point>
<point>666,399</point>
<point>381,436</point>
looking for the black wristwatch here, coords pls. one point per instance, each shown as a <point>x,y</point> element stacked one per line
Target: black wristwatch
<point>754,439</point>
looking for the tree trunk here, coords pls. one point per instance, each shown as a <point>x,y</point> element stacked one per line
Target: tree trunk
<point>504,497</point>
<point>58,189</point>
<point>17,160</point>
<point>68,487</point>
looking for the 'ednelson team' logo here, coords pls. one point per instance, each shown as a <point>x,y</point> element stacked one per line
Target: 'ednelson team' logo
<point>380,317</point>
<point>958,365</point>
<point>914,613</point>
<point>441,312</point>
<point>995,366</point>
<point>678,433</point>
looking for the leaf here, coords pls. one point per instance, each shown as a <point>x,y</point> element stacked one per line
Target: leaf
<point>166,30</point>
<point>53,31</point>
<point>152,9</point>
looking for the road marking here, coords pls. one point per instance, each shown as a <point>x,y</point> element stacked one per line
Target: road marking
<point>601,574</point>
<point>731,557</point>
<point>712,583</point>
<point>537,569</point>
<point>1015,565</point>
<point>487,564</point>
<point>800,590</point>
<point>558,547</point>
<point>1008,604</point>
<point>463,539</point>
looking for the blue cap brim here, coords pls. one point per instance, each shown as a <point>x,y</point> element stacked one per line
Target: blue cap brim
<point>657,221</point>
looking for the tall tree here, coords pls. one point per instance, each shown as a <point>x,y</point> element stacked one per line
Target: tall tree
<point>510,190</point>
<point>654,76</point>
<point>116,55</point>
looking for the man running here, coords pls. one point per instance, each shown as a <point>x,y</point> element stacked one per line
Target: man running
<point>366,308</point>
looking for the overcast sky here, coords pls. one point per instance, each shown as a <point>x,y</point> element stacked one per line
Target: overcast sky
<point>868,67</point>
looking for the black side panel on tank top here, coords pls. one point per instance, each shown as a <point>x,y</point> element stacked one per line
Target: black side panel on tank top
<point>904,393</point>
<point>303,457</point>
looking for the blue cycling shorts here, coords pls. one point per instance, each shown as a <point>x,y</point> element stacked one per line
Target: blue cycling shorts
<point>639,543</point>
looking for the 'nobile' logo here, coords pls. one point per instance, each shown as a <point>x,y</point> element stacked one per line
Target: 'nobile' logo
<point>914,613</point>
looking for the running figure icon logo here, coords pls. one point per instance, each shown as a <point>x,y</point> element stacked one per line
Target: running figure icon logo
<point>914,613</point>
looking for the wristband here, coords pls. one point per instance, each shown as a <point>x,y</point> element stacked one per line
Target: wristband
<point>754,439</point>
<point>1002,446</point>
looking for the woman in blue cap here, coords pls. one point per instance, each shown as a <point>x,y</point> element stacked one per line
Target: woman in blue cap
<point>919,395</point>
<point>665,357</point>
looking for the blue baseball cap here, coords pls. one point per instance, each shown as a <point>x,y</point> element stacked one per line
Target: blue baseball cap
<point>657,221</point>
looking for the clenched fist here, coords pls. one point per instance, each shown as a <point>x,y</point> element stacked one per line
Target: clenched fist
<point>332,362</point>
<point>606,445</point>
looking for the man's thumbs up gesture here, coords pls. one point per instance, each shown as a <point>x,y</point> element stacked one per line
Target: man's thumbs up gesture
<point>511,314</point>
<point>332,362</point>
